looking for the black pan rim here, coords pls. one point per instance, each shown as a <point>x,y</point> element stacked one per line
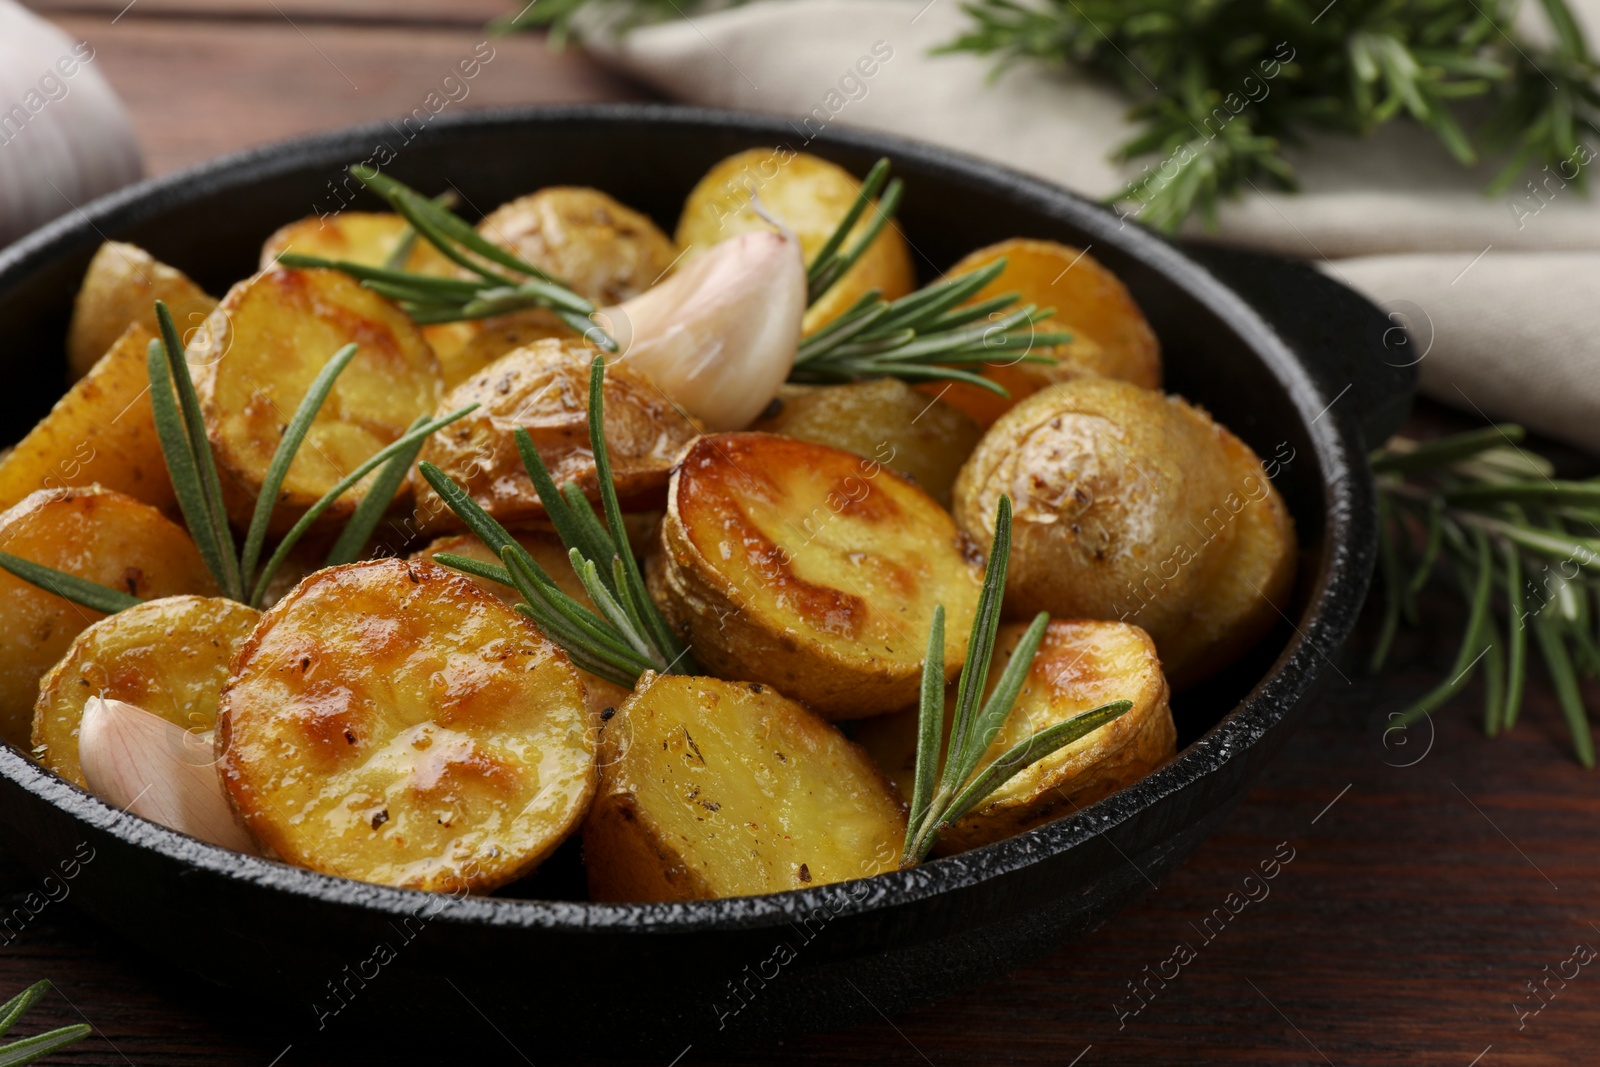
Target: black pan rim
<point>1327,618</point>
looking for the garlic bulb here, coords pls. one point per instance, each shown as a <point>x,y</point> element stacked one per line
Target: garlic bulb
<point>720,335</point>
<point>144,764</point>
<point>64,137</point>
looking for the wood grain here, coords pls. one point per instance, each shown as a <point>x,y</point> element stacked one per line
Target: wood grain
<point>413,13</point>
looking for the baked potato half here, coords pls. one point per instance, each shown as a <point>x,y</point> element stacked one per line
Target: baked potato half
<point>1080,666</point>
<point>544,389</point>
<point>391,722</point>
<point>811,197</point>
<point>1110,336</point>
<point>256,360</point>
<point>812,570</point>
<point>101,432</point>
<point>1131,505</point>
<point>93,533</point>
<point>168,657</point>
<point>885,419</point>
<point>121,287</point>
<point>717,789</point>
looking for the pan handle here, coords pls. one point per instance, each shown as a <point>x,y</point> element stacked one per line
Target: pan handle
<point>1365,358</point>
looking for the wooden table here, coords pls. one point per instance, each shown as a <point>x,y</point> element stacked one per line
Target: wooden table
<point>1430,881</point>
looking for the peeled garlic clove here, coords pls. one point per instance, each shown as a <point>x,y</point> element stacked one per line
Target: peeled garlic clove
<point>719,337</point>
<point>144,764</point>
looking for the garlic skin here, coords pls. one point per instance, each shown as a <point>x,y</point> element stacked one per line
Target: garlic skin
<point>720,335</point>
<point>144,764</point>
<point>64,136</point>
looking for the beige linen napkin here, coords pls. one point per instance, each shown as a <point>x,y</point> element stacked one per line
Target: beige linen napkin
<point>1503,295</point>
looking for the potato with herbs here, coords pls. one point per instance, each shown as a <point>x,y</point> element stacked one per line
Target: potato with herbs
<point>261,351</point>
<point>717,789</point>
<point>392,722</point>
<point>168,657</point>
<point>120,288</point>
<point>1080,666</point>
<point>811,197</point>
<point>101,433</point>
<point>810,569</point>
<point>544,389</point>
<point>95,534</point>
<point>1135,506</point>
<point>885,419</point>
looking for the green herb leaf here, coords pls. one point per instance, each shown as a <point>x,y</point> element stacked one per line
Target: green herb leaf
<point>32,1049</point>
<point>91,595</point>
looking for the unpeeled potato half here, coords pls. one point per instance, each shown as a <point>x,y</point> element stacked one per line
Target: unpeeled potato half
<point>120,288</point>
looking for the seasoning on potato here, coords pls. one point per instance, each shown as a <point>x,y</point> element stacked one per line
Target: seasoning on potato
<point>120,288</point>
<point>392,722</point>
<point>712,788</point>
<point>811,569</point>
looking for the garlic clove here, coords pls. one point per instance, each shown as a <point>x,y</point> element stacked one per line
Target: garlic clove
<point>720,335</point>
<point>144,764</point>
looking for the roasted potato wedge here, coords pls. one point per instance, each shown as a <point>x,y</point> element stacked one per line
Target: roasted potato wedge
<point>92,533</point>
<point>810,196</point>
<point>544,389</point>
<point>168,657</point>
<point>812,570</point>
<point>1127,506</point>
<point>884,419</point>
<point>101,432</point>
<point>1080,666</point>
<point>602,250</point>
<point>256,360</point>
<point>718,789</point>
<point>391,722</point>
<point>492,338</point>
<point>121,287</point>
<point>1111,338</point>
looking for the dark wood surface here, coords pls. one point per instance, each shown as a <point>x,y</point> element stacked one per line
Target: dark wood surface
<point>1433,877</point>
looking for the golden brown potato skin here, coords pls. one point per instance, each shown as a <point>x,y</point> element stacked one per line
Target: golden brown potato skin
<point>603,250</point>
<point>1080,666</point>
<point>1131,505</point>
<point>169,657</point>
<point>92,533</point>
<point>1111,338</point>
<point>262,349</point>
<point>391,722</point>
<point>812,570</point>
<point>544,389</point>
<point>121,287</point>
<point>923,439</point>
<point>715,789</point>
<point>809,195</point>
<point>101,432</point>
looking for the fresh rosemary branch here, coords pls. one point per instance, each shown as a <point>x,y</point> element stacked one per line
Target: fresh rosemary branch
<point>628,634</point>
<point>32,1049</point>
<point>830,263</point>
<point>936,806</point>
<point>430,298</point>
<point>1520,547</point>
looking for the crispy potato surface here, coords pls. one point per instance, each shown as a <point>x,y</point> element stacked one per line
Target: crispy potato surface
<point>256,362</point>
<point>366,237</point>
<point>101,432</point>
<point>1111,338</point>
<point>603,250</point>
<point>168,657</point>
<point>812,570</point>
<point>121,287</point>
<point>1080,666</point>
<point>544,389</point>
<point>717,789</point>
<point>92,533</point>
<point>391,722</point>
<point>884,419</point>
<point>810,196</point>
<point>492,338</point>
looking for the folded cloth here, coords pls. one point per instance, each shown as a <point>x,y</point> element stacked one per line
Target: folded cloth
<point>1498,292</point>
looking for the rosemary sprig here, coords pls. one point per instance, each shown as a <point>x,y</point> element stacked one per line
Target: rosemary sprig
<point>833,259</point>
<point>31,1049</point>
<point>937,805</point>
<point>1492,522</point>
<point>627,635</point>
<point>429,298</point>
